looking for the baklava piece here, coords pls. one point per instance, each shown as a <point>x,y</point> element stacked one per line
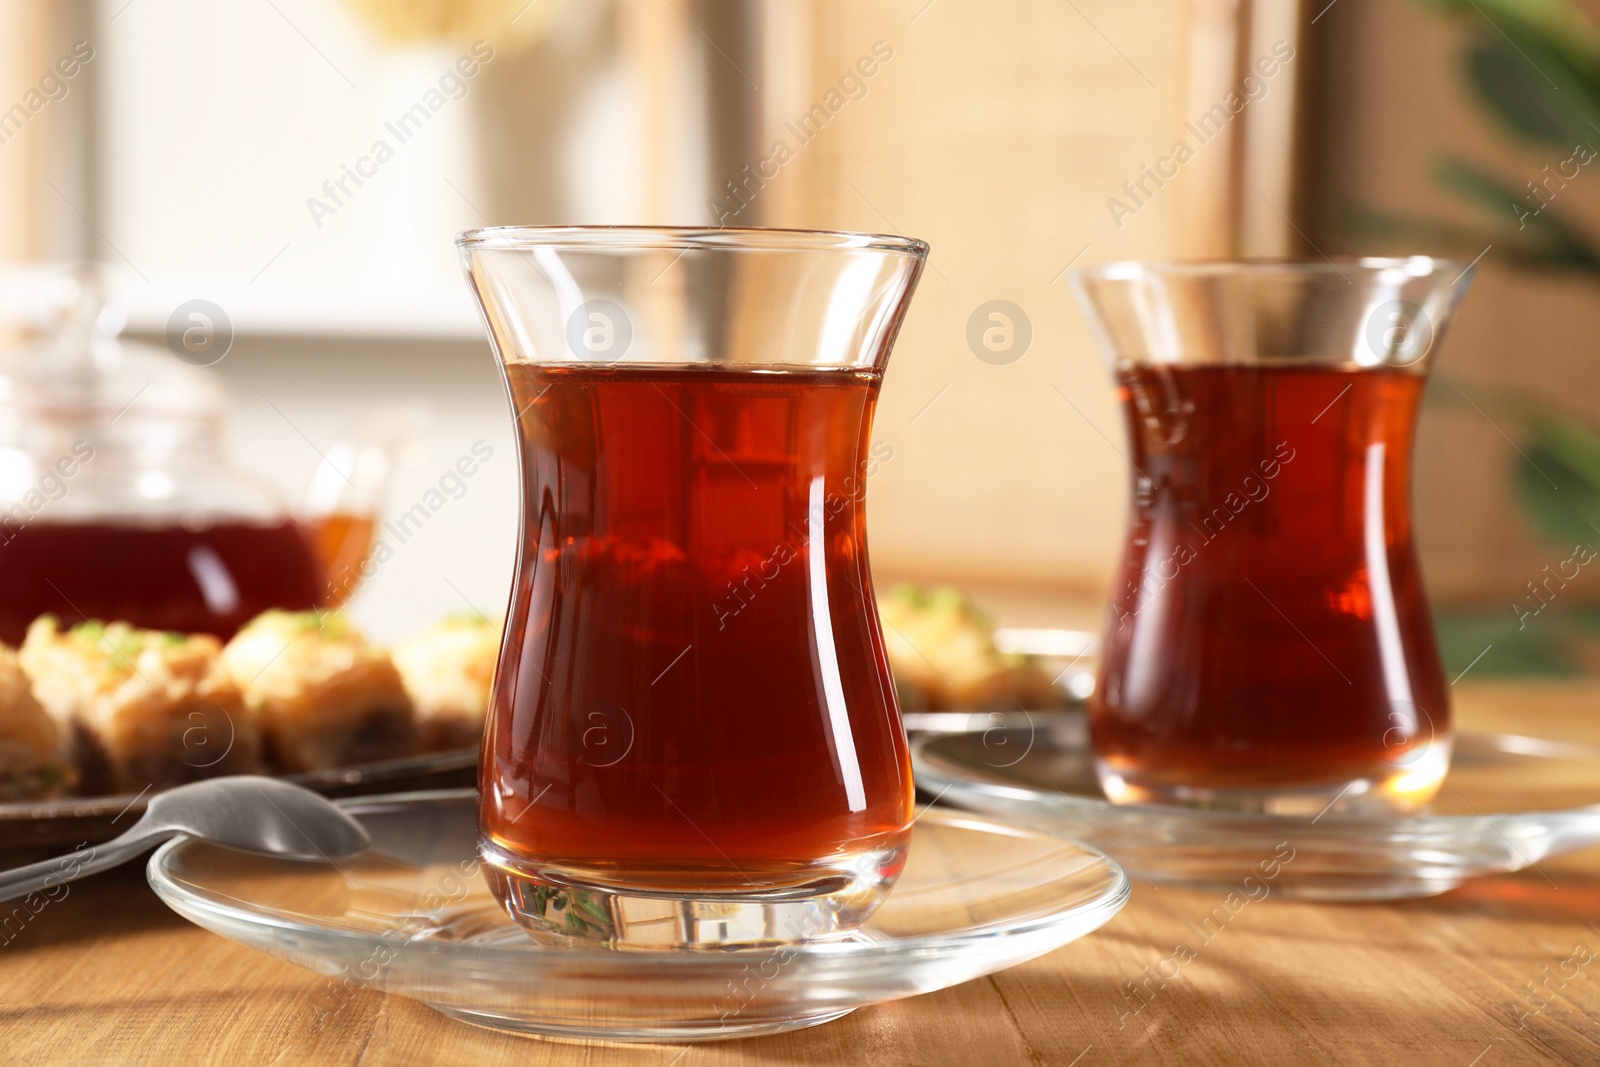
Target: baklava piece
<point>447,668</point>
<point>33,758</point>
<point>140,708</point>
<point>942,655</point>
<point>322,695</point>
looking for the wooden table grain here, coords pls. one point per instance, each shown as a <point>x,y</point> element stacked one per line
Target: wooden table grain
<point>1502,970</point>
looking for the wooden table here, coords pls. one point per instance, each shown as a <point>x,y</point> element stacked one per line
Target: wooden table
<point>109,976</point>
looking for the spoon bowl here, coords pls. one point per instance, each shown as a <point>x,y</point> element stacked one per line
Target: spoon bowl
<point>245,811</point>
<point>257,814</point>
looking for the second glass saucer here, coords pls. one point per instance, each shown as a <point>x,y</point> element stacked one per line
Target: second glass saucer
<point>1508,802</point>
<point>414,916</point>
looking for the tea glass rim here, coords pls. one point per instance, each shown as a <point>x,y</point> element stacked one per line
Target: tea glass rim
<point>631,238</point>
<point>1420,266</point>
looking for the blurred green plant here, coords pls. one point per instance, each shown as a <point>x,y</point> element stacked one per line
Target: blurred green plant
<point>1557,481</point>
<point>1534,67</point>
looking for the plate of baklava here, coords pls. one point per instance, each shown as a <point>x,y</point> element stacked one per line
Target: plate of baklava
<point>96,717</point>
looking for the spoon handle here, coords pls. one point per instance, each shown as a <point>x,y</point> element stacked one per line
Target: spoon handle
<point>46,875</point>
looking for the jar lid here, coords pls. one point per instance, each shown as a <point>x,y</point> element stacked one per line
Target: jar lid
<point>78,369</point>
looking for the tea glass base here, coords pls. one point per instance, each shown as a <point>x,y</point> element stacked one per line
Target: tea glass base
<point>560,905</point>
<point>1396,789</point>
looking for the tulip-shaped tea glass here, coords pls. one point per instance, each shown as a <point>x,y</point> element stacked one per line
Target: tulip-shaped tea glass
<point>693,738</point>
<point>1269,645</point>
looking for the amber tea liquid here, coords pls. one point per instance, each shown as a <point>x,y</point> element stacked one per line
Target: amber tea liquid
<point>1268,633</point>
<point>692,694</point>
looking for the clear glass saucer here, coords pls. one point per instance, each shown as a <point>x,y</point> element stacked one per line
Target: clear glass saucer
<point>414,916</point>
<point>1507,803</point>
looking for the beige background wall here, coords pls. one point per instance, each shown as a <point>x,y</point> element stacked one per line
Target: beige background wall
<point>37,221</point>
<point>999,142</point>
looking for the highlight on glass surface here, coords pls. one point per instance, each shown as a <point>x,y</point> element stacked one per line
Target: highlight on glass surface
<point>693,737</point>
<point>1269,646</point>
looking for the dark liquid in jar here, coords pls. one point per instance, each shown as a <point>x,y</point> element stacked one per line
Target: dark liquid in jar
<point>210,579</point>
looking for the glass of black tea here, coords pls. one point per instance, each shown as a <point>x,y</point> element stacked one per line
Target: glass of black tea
<point>1269,646</point>
<point>693,738</point>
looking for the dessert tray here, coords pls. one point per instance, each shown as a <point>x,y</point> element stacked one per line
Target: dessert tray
<point>1508,803</point>
<point>413,916</point>
<point>47,825</point>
